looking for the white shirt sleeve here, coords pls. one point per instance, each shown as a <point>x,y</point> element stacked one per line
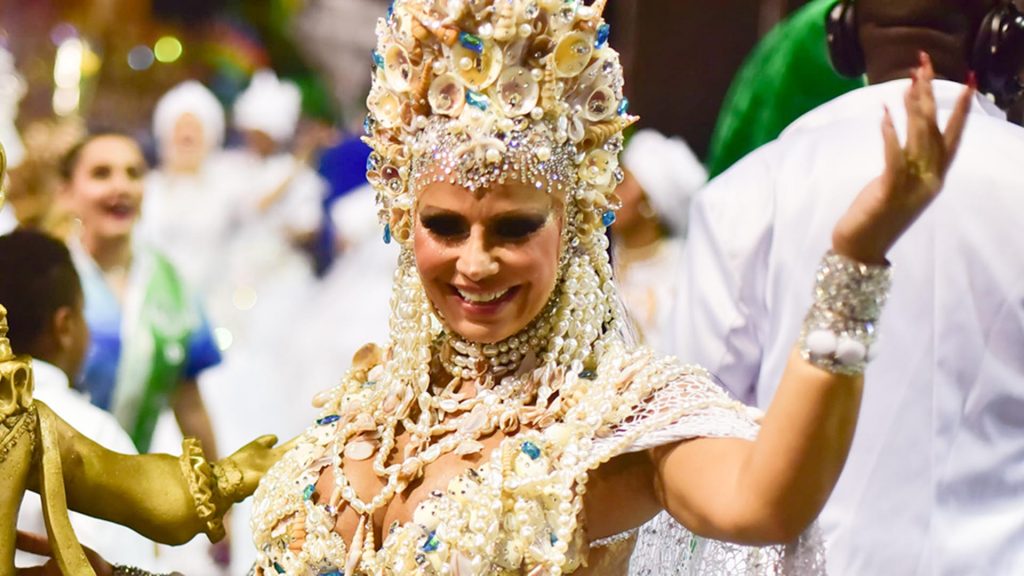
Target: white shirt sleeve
<point>721,309</point>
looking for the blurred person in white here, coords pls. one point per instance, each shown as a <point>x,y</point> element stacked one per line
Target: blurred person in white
<point>189,203</point>
<point>41,290</point>
<point>12,90</point>
<point>270,280</point>
<point>660,177</point>
<point>932,483</point>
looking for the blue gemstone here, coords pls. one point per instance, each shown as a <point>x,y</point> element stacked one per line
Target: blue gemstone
<point>530,449</point>
<point>308,492</point>
<point>368,128</point>
<point>328,420</point>
<point>334,572</point>
<point>431,543</point>
<point>603,31</point>
<point>553,538</point>
<point>623,107</point>
<point>391,9</point>
<point>589,374</point>
<point>378,60</point>
<point>387,238</point>
<point>471,42</point>
<point>279,568</point>
<point>477,100</point>
<point>608,218</point>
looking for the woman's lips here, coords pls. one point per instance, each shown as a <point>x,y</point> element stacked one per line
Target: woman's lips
<point>484,303</point>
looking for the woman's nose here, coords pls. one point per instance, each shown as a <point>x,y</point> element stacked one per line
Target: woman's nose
<point>476,261</point>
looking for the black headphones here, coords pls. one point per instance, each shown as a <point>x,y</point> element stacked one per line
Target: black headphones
<point>997,57</point>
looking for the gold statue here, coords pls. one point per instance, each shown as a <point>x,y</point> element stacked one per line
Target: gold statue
<point>165,498</point>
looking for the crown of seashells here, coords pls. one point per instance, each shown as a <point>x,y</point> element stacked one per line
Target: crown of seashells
<point>475,92</point>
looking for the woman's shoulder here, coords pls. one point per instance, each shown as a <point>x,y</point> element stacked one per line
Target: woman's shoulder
<point>663,400</point>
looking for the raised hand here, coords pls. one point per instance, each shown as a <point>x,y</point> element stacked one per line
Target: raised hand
<point>913,175</point>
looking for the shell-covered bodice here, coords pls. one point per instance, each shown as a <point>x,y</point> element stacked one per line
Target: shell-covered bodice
<point>521,510</point>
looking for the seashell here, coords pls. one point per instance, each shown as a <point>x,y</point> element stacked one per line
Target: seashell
<point>428,514</point>
<point>505,24</point>
<point>397,68</point>
<point>367,357</point>
<point>572,54</point>
<point>549,91</point>
<point>474,421</point>
<point>576,130</point>
<point>359,450</point>
<point>455,9</point>
<point>509,423</point>
<point>355,548</point>
<point>483,67</point>
<point>600,105</point>
<point>421,90</point>
<point>462,566</point>
<point>541,47</point>
<point>598,9</point>
<point>387,108</point>
<point>597,167</point>
<point>322,398</point>
<point>447,96</point>
<point>517,91</point>
<point>468,447</point>
<point>461,489</point>
<point>597,134</point>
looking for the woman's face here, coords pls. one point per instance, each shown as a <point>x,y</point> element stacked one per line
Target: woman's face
<point>105,186</point>
<point>187,148</point>
<point>488,261</point>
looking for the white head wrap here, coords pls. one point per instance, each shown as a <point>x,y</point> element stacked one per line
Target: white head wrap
<point>269,105</point>
<point>669,173</point>
<point>189,97</point>
<point>12,90</point>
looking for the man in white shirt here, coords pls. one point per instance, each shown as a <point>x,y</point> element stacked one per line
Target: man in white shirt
<point>934,483</point>
<point>40,289</point>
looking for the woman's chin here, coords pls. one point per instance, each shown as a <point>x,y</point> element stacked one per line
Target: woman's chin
<point>482,334</point>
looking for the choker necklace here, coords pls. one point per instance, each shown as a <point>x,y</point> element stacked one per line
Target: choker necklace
<point>467,360</point>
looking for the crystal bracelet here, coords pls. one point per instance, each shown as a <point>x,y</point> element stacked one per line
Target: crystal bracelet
<point>839,329</point>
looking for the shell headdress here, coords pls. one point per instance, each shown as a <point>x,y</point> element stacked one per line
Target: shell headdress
<point>479,91</point>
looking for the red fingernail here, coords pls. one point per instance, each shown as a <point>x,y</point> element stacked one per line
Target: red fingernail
<point>972,80</point>
<point>922,57</point>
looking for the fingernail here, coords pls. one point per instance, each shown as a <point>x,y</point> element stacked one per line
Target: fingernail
<point>922,57</point>
<point>972,80</point>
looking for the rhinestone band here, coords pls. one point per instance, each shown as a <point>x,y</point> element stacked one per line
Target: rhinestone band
<point>839,329</point>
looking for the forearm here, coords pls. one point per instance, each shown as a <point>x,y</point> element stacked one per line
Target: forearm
<point>192,417</point>
<point>792,467</point>
<point>148,493</point>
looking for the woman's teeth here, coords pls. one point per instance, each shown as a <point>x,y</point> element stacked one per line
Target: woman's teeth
<point>481,298</point>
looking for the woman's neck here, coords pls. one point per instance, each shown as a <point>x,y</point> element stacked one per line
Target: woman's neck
<point>109,253</point>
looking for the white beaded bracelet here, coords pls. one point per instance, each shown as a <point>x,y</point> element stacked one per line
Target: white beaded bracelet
<point>839,329</point>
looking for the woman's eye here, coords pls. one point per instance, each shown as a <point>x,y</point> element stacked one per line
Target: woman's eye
<point>101,172</point>
<point>444,226</point>
<point>517,228</point>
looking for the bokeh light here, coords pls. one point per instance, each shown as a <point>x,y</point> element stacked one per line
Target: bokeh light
<point>140,58</point>
<point>168,49</point>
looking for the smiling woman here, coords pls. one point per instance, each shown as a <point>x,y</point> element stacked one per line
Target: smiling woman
<point>150,339</point>
<point>488,261</point>
<point>513,425</point>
